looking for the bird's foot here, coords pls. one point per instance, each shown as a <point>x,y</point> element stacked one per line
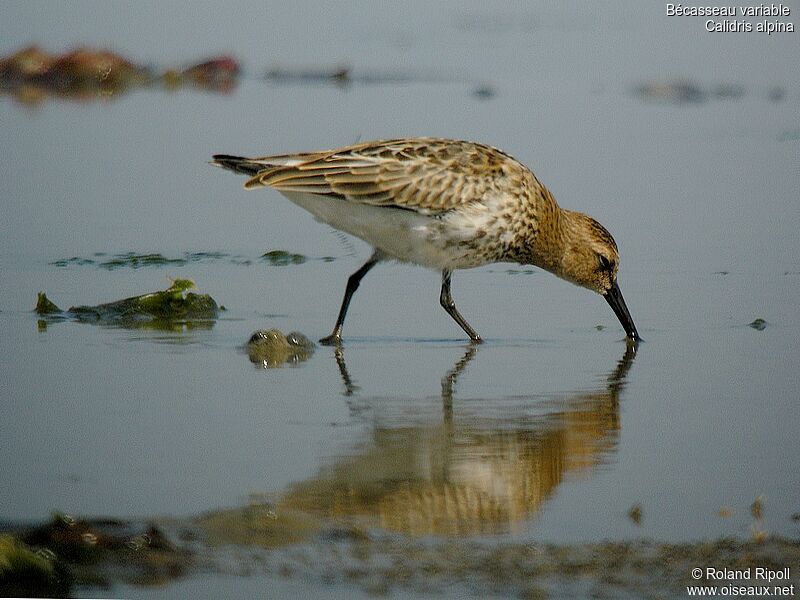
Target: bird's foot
<point>334,339</point>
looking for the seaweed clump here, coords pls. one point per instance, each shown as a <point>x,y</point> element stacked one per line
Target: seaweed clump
<point>175,304</point>
<point>269,348</point>
<point>52,558</point>
<point>282,258</point>
<point>25,572</point>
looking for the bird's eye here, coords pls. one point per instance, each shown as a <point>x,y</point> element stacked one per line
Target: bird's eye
<point>605,263</point>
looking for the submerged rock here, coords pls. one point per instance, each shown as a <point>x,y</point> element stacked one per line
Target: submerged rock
<point>44,306</point>
<point>26,572</point>
<point>270,348</point>
<point>50,558</point>
<point>172,305</point>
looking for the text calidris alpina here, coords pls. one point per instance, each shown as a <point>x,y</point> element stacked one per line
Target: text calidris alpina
<point>443,204</point>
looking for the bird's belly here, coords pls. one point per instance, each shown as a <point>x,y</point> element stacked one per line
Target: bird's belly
<point>404,235</point>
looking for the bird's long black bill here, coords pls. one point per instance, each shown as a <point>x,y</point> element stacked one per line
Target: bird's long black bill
<point>614,298</point>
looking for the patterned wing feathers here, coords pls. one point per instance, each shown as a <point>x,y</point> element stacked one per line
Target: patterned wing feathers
<point>428,175</point>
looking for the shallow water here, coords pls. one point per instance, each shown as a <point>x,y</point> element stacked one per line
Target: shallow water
<point>551,430</point>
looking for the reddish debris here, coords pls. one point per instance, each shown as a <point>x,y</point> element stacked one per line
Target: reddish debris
<point>219,74</point>
<point>28,62</point>
<point>31,75</point>
<point>85,66</point>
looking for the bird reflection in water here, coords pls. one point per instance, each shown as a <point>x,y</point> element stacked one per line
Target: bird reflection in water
<point>469,473</point>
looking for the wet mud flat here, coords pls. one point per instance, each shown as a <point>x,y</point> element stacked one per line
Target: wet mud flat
<point>67,555</point>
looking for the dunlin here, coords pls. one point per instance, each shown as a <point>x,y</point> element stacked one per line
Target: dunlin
<point>443,204</point>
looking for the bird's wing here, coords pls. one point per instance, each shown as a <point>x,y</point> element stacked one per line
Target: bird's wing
<point>424,174</point>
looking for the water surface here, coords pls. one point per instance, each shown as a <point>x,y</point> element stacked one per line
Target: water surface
<point>550,431</point>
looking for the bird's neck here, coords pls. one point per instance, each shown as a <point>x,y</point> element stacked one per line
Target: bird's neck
<point>545,246</point>
<point>569,240</point>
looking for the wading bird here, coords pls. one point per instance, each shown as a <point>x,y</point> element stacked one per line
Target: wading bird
<point>443,204</point>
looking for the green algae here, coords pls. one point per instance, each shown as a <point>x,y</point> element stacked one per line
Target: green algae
<point>25,572</point>
<point>51,558</point>
<point>128,259</point>
<point>282,258</point>
<point>175,304</point>
<point>270,348</point>
<point>44,306</point>
<point>75,260</point>
<point>135,260</point>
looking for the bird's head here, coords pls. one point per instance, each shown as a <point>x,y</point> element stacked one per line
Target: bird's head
<point>590,259</point>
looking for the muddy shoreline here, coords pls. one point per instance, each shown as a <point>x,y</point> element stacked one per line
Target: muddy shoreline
<point>67,555</point>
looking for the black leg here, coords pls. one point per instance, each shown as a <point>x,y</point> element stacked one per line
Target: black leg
<point>353,282</point>
<point>446,300</point>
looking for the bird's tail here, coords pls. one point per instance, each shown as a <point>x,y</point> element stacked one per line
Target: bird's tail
<point>239,164</point>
